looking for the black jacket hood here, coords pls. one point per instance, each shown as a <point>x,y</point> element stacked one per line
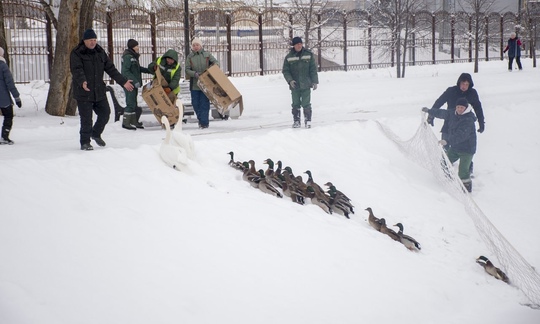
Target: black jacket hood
<point>465,77</point>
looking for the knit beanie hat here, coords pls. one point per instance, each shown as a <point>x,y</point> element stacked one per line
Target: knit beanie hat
<point>462,102</point>
<point>296,40</point>
<point>196,41</point>
<point>132,43</point>
<point>89,34</point>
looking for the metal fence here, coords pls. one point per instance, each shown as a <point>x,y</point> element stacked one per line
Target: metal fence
<point>249,41</point>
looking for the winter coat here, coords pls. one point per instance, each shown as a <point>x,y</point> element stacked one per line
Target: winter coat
<point>513,47</point>
<point>90,65</point>
<point>170,72</point>
<point>452,94</point>
<point>131,68</point>
<point>461,136</point>
<point>300,67</point>
<point>198,62</point>
<point>7,86</point>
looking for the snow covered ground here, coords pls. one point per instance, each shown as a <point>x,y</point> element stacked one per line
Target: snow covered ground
<point>116,236</point>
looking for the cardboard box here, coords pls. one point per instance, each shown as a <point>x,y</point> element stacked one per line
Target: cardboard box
<point>156,98</point>
<point>221,92</point>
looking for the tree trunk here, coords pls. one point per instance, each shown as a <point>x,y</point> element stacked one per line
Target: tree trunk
<point>85,21</point>
<point>66,38</point>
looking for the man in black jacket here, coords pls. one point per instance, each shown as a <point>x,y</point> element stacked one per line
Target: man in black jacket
<point>89,62</point>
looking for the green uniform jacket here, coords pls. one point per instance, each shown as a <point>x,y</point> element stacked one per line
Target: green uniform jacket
<point>131,68</point>
<point>300,67</point>
<point>167,70</point>
<point>198,62</point>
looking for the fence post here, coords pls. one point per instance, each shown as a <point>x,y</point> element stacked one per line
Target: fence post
<point>261,51</point>
<point>345,41</point>
<point>487,37</point>
<point>50,54</point>
<point>319,41</point>
<point>501,30</point>
<point>433,38</point>
<point>153,34</point>
<point>470,40</point>
<point>452,36</point>
<point>228,22</point>
<point>370,58</point>
<point>110,46</point>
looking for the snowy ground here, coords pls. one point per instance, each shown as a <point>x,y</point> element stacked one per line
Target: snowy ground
<point>116,236</point>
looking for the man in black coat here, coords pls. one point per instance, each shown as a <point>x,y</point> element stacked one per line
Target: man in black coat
<point>89,62</point>
<point>463,89</point>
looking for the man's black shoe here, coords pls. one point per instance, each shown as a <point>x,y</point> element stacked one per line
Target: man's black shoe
<point>86,147</point>
<point>99,141</point>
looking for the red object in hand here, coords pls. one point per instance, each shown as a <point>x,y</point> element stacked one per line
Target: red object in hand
<point>167,90</point>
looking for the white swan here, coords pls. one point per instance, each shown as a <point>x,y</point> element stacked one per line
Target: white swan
<point>171,153</point>
<point>180,138</point>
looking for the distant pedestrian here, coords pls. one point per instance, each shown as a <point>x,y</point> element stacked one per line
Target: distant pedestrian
<point>131,69</point>
<point>514,51</point>
<point>197,62</point>
<point>170,69</point>
<point>89,62</point>
<point>300,72</point>
<point>7,87</point>
<point>461,137</point>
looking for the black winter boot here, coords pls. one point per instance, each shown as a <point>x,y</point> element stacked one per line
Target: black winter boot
<point>5,136</point>
<point>296,117</point>
<point>138,113</point>
<point>129,120</point>
<point>307,117</point>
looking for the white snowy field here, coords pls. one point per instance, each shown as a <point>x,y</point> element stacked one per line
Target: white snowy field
<point>116,236</point>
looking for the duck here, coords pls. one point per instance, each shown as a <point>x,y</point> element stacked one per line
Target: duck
<point>318,201</point>
<point>332,188</point>
<point>235,164</point>
<point>406,240</point>
<point>390,232</point>
<point>182,139</point>
<point>491,269</point>
<point>337,195</point>
<point>313,184</point>
<point>170,152</point>
<point>250,174</point>
<point>373,221</point>
<point>271,176</point>
<point>266,187</point>
<point>290,190</point>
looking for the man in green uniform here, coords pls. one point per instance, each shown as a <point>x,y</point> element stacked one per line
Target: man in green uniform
<point>300,72</point>
<point>132,70</point>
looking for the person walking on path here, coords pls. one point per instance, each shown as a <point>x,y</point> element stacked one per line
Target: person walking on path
<point>461,137</point>
<point>300,72</point>
<point>131,69</point>
<point>197,62</point>
<point>7,87</point>
<point>88,63</point>
<point>514,51</point>
<point>170,69</point>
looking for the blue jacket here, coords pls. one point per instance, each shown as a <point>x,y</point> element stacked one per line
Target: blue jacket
<point>513,47</point>
<point>7,86</point>
<point>461,136</point>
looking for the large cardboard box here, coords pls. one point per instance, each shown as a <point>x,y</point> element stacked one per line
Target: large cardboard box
<point>220,90</point>
<point>156,98</point>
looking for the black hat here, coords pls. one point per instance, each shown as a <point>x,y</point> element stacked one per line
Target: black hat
<point>132,43</point>
<point>296,40</point>
<point>462,102</point>
<point>89,34</point>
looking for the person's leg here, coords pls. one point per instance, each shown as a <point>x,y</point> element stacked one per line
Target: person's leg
<point>103,112</point>
<point>204,108</point>
<point>85,114</point>
<point>306,104</point>
<point>196,102</point>
<point>510,60</point>
<point>518,62</point>
<point>129,120</point>
<point>465,160</point>
<point>7,112</point>
<point>296,104</point>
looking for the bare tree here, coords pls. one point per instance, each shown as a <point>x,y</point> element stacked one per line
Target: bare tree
<point>3,42</point>
<point>395,16</point>
<point>478,8</point>
<point>531,18</point>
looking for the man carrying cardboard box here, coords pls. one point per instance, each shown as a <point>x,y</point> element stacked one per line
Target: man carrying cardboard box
<point>196,63</point>
<point>170,69</point>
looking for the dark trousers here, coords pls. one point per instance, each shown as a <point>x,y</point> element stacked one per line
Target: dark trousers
<point>131,100</point>
<point>511,59</point>
<point>103,112</point>
<point>201,105</point>
<point>7,112</point>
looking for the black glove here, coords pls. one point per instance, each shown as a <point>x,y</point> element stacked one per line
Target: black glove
<point>430,120</point>
<point>292,84</point>
<point>196,75</point>
<point>481,128</point>
<point>18,102</point>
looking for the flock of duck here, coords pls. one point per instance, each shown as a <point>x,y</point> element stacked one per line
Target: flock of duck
<point>281,181</point>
